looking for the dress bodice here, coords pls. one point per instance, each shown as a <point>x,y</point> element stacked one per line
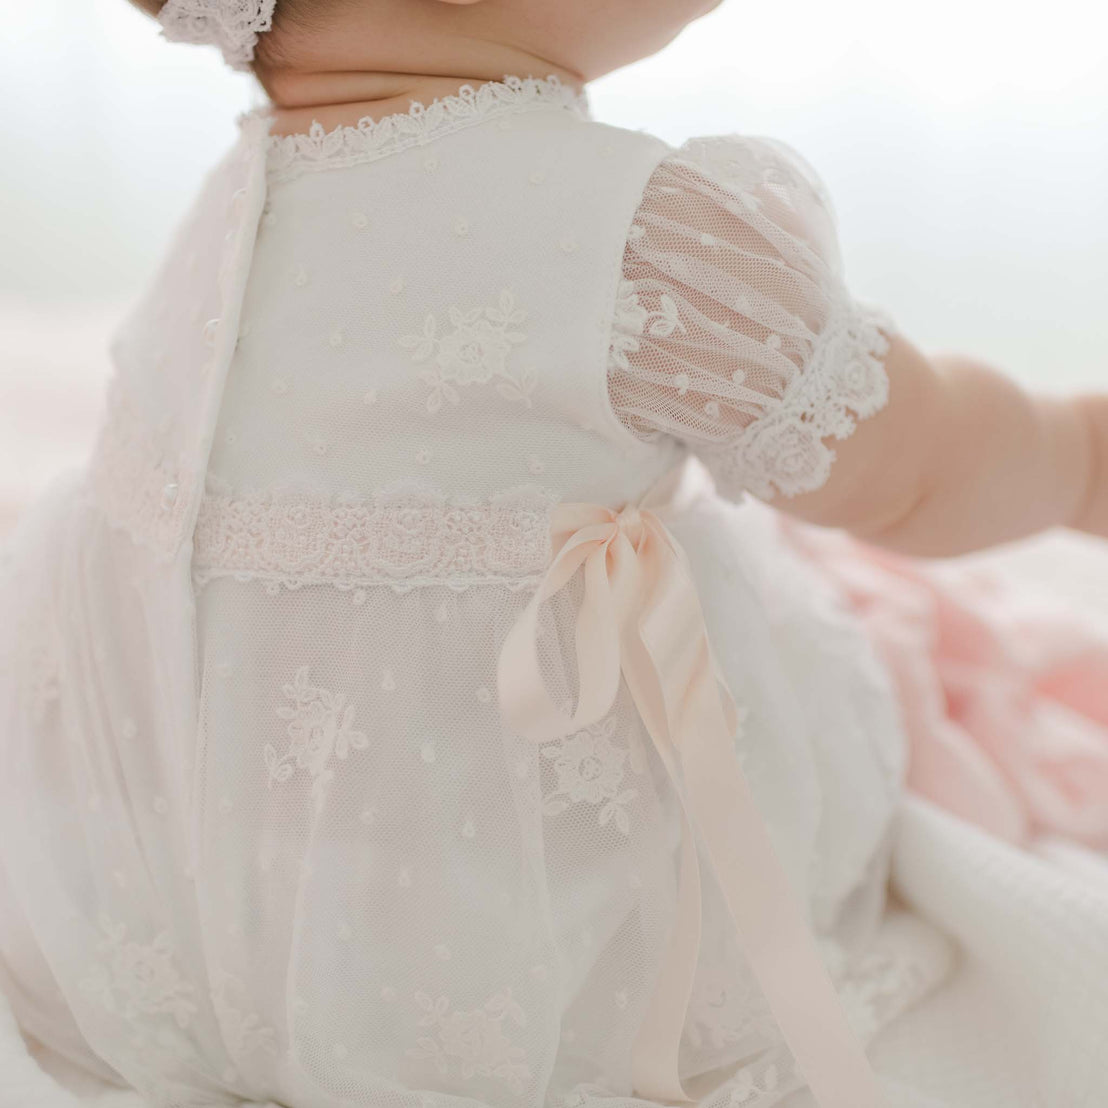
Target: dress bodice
<point>439,312</point>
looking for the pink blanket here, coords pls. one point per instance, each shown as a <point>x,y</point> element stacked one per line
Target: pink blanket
<point>1005,693</point>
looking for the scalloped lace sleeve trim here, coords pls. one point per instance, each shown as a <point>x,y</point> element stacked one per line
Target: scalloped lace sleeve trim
<point>785,450</point>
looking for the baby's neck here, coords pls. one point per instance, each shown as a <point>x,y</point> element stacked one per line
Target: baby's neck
<point>343,99</point>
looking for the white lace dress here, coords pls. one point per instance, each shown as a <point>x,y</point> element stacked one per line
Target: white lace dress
<point>265,834</point>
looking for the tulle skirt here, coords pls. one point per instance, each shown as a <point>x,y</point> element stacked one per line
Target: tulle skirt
<point>186,909</point>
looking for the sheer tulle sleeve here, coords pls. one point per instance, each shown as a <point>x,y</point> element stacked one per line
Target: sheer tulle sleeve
<point>734,330</point>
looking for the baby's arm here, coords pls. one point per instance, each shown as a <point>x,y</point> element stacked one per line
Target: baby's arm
<point>961,458</point>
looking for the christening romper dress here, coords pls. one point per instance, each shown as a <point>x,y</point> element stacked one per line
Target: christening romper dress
<point>342,694</point>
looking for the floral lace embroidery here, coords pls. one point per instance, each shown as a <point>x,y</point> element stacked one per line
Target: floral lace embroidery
<point>320,725</point>
<point>724,1011</point>
<point>475,1038</point>
<point>290,155</point>
<point>43,679</point>
<point>906,959</point>
<point>473,353</point>
<point>632,321</point>
<point>590,770</point>
<point>232,25</point>
<point>137,979</point>
<point>905,962</point>
<point>37,660</point>
<point>140,483</point>
<point>243,1032</point>
<point>403,537</point>
<point>748,1085</point>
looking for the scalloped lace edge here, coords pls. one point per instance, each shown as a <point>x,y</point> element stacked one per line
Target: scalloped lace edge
<point>232,25</point>
<point>783,450</point>
<point>290,155</point>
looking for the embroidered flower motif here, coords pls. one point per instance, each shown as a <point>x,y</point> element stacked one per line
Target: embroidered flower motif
<point>889,977</point>
<point>475,1038</point>
<point>43,671</point>
<point>320,725</point>
<point>474,352</point>
<point>243,1032</point>
<point>723,1011</point>
<point>590,770</point>
<point>746,1086</point>
<point>633,320</point>
<point>136,473</point>
<point>136,979</point>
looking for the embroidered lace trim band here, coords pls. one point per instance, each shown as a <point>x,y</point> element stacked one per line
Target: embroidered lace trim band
<point>403,537</point>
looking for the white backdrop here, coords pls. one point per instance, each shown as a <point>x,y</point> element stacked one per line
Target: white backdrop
<point>965,143</point>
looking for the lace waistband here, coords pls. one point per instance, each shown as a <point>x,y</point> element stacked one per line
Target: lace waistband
<point>403,538</point>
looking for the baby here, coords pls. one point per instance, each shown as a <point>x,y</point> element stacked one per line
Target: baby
<point>394,714</point>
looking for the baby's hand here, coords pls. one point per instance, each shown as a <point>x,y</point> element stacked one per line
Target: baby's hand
<point>963,458</point>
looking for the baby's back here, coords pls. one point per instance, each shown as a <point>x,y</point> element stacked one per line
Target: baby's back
<point>436,306</point>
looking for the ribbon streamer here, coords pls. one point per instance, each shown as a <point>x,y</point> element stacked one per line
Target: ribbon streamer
<point>641,619</point>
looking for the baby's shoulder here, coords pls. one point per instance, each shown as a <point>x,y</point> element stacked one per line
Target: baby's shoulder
<point>710,178</point>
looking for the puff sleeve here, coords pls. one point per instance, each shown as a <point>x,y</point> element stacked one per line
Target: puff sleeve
<point>734,330</point>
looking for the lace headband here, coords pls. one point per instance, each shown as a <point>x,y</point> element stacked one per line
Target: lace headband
<point>232,25</point>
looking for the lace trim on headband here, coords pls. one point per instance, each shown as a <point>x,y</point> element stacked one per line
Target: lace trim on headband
<point>405,536</point>
<point>232,25</point>
<point>290,155</point>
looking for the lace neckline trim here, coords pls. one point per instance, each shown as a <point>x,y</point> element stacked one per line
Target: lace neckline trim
<point>345,145</point>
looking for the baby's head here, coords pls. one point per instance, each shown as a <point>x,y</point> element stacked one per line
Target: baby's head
<point>468,38</point>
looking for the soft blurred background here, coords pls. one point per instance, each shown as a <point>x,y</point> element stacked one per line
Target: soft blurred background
<point>965,143</point>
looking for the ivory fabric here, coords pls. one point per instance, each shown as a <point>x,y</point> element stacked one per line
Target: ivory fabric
<point>266,835</point>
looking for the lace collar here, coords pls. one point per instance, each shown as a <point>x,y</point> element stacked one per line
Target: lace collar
<point>291,155</point>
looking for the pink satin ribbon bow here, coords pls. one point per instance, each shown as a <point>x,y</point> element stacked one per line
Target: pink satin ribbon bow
<point>641,617</point>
